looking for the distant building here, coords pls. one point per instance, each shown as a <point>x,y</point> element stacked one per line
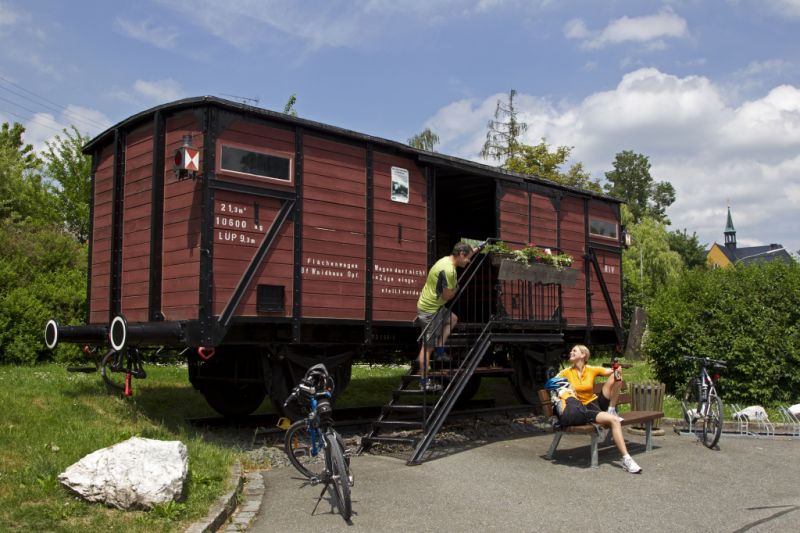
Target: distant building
<point>721,256</point>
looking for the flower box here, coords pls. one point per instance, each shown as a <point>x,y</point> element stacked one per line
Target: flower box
<point>534,272</point>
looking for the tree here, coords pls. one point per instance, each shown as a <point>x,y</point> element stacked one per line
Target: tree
<point>23,194</point>
<point>631,182</point>
<point>71,171</point>
<point>289,107</point>
<point>425,140</point>
<point>540,161</point>
<point>648,264</point>
<point>691,251</point>
<point>503,138</point>
<point>747,315</point>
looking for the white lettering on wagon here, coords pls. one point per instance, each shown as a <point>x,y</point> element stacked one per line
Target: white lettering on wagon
<point>391,280</point>
<point>233,226</point>
<point>331,269</point>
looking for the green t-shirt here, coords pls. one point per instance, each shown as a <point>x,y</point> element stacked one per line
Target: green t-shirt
<point>441,275</point>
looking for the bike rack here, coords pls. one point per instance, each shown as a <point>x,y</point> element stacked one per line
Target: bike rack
<point>791,423</point>
<point>763,427</point>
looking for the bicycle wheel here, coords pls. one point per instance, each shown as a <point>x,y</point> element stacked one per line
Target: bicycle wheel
<point>712,428</point>
<point>111,370</point>
<point>690,403</point>
<point>304,456</point>
<point>339,482</point>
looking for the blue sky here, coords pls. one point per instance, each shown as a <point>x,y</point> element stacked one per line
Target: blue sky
<point>708,90</point>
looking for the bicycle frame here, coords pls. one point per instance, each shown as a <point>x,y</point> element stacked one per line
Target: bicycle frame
<point>336,476</point>
<point>702,391</point>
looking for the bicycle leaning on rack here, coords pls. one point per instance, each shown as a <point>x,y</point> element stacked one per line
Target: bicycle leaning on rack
<point>701,403</point>
<point>313,446</point>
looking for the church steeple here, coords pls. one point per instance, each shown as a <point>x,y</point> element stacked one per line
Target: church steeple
<point>730,232</point>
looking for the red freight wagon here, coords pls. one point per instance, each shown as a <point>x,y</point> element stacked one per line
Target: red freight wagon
<point>264,243</point>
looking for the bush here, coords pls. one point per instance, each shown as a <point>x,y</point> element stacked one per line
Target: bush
<point>748,316</point>
<point>42,276</point>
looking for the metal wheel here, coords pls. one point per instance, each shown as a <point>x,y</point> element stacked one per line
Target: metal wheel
<point>305,455</point>
<point>232,381</point>
<point>339,483</point>
<point>712,428</point>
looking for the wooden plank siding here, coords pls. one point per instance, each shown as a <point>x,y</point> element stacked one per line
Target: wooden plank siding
<point>100,303</point>
<point>333,265</point>
<point>573,243</point>
<point>181,243</point>
<point>544,228</point>
<point>610,266</point>
<point>399,241</point>
<point>136,224</point>
<point>241,223</point>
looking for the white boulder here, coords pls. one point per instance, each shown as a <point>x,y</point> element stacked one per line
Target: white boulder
<point>134,474</point>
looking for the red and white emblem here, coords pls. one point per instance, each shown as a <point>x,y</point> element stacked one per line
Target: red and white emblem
<point>187,158</point>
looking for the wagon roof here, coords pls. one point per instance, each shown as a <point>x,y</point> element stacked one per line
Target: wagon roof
<point>424,156</point>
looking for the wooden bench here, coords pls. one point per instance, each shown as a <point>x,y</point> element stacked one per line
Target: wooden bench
<point>629,418</point>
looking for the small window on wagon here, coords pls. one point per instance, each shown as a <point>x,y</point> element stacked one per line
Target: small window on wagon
<point>263,165</point>
<point>602,228</point>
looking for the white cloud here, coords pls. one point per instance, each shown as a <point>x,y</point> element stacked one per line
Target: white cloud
<point>42,128</point>
<point>787,8</point>
<point>163,37</point>
<point>332,23</point>
<point>710,150</point>
<point>651,29</point>
<point>159,90</point>
<point>8,17</point>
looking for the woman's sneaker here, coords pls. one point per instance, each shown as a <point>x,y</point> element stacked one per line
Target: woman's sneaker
<point>630,465</point>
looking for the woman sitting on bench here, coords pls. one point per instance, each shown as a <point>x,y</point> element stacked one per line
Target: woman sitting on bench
<point>598,410</point>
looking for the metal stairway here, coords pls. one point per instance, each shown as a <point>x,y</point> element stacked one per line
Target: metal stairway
<point>430,414</point>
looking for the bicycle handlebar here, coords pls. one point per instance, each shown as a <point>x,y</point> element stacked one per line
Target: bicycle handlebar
<point>316,376</point>
<point>707,361</point>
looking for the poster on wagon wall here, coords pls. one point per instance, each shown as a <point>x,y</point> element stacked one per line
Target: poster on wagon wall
<point>400,185</point>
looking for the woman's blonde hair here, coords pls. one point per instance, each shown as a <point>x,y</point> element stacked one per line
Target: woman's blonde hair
<point>584,350</point>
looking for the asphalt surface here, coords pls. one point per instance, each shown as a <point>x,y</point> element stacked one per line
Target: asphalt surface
<point>747,485</point>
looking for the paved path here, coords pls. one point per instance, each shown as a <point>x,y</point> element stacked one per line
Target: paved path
<point>748,485</point>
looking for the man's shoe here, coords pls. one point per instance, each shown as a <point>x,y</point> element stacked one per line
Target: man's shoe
<point>441,357</point>
<point>630,465</point>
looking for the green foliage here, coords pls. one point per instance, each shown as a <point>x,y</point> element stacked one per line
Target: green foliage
<point>289,107</point>
<point>70,173</point>
<point>42,275</point>
<point>530,254</point>
<point>748,316</point>
<point>52,418</point>
<point>540,161</point>
<point>425,140</point>
<point>691,251</point>
<point>631,182</point>
<point>23,194</point>
<point>647,265</point>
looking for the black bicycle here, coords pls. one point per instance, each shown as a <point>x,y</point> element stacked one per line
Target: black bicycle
<point>313,446</point>
<point>702,403</point>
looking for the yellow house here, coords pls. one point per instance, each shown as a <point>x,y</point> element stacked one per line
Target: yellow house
<point>723,256</point>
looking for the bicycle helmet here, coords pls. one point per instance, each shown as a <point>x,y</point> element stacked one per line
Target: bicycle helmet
<point>556,383</point>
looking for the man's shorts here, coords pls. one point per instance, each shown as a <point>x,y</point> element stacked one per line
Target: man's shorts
<point>432,336</point>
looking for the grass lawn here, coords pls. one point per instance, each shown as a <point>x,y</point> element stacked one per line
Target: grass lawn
<point>51,419</point>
